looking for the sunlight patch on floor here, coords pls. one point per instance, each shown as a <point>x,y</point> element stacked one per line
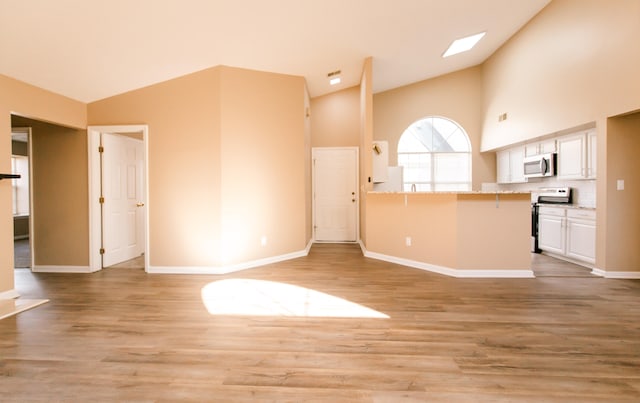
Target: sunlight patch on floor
<point>269,298</point>
<point>9,307</point>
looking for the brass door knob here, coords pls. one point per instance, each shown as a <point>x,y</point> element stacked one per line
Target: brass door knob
<point>139,204</point>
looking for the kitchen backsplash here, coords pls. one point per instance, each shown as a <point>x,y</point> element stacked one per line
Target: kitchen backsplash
<point>583,191</point>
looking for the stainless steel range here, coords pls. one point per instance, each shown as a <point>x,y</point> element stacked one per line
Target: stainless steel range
<point>560,195</point>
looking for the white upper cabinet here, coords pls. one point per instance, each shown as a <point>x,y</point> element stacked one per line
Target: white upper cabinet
<point>503,167</point>
<point>516,157</point>
<point>540,147</point>
<point>576,155</point>
<point>510,165</point>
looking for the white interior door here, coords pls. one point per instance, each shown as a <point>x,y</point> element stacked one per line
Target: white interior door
<point>123,206</point>
<point>335,194</point>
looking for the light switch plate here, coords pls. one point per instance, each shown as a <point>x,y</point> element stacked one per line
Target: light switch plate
<point>620,184</point>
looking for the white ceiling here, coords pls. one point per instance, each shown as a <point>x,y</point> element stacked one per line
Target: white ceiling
<point>93,49</point>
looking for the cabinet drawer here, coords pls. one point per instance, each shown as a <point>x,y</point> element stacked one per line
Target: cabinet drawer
<point>581,214</point>
<point>554,211</point>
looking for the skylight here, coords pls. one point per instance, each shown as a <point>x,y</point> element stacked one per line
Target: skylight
<point>463,44</point>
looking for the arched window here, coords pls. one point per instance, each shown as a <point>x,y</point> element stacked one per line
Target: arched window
<point>436,155</point>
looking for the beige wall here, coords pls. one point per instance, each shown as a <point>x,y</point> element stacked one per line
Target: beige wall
<point>429,219</point>
<point>25,100</point>
<point>366,142</point>
<point>457,96</point>
<point>263,165</point>
<point>183,160</point>
<point>226,164</point>
<point>335,119</point>
<point>60,193</point>
<point>462,232</point>
<point>307,164</point>
<point>622,234</point>
<point>574,63</point>
<point>494,232</point>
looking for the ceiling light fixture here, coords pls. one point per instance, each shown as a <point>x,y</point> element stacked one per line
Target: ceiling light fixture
<point>334,77</point>
<point>463,44</point>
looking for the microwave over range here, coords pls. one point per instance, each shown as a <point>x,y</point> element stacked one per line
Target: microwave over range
<point>538,166</point>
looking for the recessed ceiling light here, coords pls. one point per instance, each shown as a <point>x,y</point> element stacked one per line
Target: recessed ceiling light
<point>334,77</point>
<point>463,44</point>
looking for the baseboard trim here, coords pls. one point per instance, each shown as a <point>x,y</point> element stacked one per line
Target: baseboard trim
<point>622,275</point>
<point>10,294</point>
<point>62,269</point>
<point>230,268</point>
<point>448,271</point>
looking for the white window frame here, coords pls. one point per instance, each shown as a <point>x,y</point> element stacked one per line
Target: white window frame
<point>432,184</point>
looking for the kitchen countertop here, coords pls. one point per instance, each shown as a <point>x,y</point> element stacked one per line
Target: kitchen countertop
<point>471,192</point>
<point>566,206</point>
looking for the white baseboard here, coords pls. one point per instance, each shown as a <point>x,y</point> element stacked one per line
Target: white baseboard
<point>628,275</point>
<point>10,294</point>
<point>451,272</point>
<point>230,268</point>
<point>62,269</point>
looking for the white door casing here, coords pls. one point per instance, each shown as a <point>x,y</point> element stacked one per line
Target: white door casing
<point>335,194</point>
<point>122,210</point>
<point>95,192</point>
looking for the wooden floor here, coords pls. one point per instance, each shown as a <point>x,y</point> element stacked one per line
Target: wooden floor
<point>123,335</point>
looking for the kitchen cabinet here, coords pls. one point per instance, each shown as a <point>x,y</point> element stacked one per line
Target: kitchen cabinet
<point>510,168</point>
<point>581,235</point>
<point>568,233</point>
<point>551,229</point>
<point>540,147</point>
<point>577,155</point>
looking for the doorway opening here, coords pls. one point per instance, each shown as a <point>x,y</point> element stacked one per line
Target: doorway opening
<point>57,209</point>
<point>118,212</point>
<point>21,197</point>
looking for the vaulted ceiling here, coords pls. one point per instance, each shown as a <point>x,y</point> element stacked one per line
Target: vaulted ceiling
<point>92,49</point>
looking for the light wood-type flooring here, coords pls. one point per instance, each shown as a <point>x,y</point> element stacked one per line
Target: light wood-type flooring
<point>124,335</point>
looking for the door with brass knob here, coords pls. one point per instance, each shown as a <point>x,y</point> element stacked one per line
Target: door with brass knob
<point>335,203</point>
<point>124,205</point>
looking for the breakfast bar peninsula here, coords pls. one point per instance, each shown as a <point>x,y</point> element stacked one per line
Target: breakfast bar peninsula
<point>460,234</point>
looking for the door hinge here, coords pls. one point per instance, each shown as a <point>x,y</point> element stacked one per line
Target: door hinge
<point>100,149</point>
<point>102,251</point>
<point>101,200</point>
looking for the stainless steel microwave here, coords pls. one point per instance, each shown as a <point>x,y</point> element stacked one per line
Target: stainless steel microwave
<point>538,166</point>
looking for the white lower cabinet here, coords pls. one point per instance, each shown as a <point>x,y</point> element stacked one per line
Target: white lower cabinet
<point>581,235</point>
<point>567,232</point>
<point>551,232</point>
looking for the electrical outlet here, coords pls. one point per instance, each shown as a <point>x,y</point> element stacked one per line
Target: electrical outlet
<point>407,241</point>
<point>620,184</point>
<point>263,240</point>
